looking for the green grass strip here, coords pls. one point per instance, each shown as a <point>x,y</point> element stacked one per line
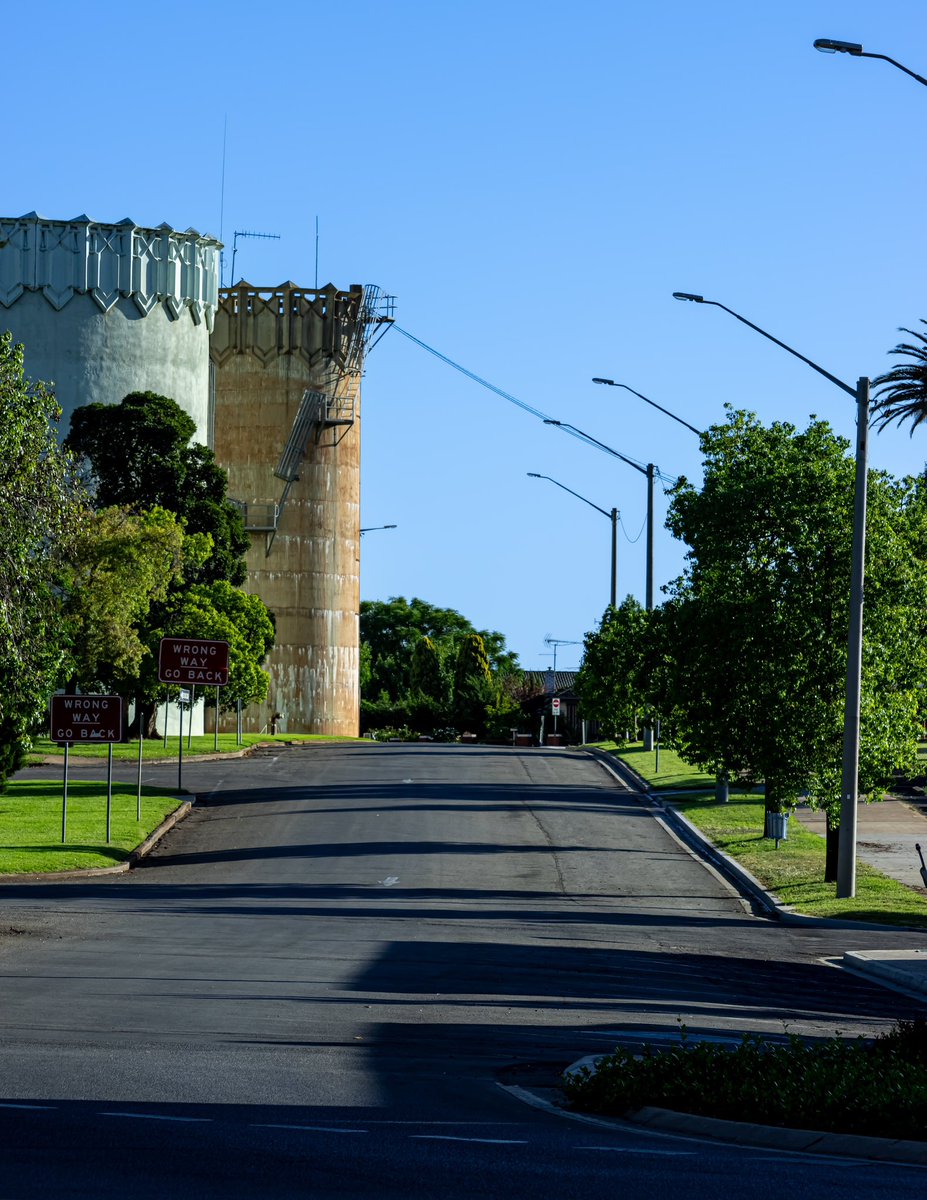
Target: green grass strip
<point>30,824</point>
<point>795,871</point>
<point>154,748</point>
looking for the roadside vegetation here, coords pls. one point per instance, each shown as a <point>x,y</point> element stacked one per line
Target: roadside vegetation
<point>154,749</point>
<point>877,1088</point>
<point>30,824</point>
<point>793,871</point>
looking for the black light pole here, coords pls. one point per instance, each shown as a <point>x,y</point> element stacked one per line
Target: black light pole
<point>652,403</point>
<point>831,46</point>
<point>647,471</point>
<point>372,528</point>
<point>612,516</point>
<point>849,791</point>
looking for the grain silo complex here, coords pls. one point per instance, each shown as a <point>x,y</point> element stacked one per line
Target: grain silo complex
<point>271,376</point>
<point>104,310</point>
<point>287,364</point>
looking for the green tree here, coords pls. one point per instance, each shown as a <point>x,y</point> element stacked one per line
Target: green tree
<point>901,393</point>
<point>41,511</point>
<point>137,455</point>
<point>391,628</point>
<point>428,676</point>
<point>609,678</point>
<point>472,684</point>
<point>753,637</point>
<point>119,564</point>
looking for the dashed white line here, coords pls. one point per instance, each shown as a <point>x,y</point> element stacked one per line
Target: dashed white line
<point>634,1150</point>
<point>32,1107</point>
<point>308,1128</point>
<point>445,1137</point>
<point>158,1117</point>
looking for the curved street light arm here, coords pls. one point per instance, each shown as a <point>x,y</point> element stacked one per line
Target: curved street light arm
<point>832,46</point>
<point>743,320</point>
<point>534,475</point>
<point>652,403</point>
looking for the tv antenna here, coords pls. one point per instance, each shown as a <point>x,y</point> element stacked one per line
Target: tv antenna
<point>555,642</point>
<point>247,233</point>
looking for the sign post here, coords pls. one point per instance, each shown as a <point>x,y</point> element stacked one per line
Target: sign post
<point>86,720</point>
<point>555,709</point>
<point>185,662</point>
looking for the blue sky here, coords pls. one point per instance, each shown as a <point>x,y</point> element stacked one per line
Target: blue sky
<point>531,182</point>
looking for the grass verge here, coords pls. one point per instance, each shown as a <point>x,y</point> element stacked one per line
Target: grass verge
<point>154,748</point>
<point>836,1085</point>
<point>795,871</point>
<point>30,825</point>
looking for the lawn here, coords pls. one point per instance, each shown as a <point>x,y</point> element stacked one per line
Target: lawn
<point>30,824</point>
<point>154,748</point>
<point>795,871</point>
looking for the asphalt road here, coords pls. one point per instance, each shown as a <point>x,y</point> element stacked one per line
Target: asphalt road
<point>328,980</point>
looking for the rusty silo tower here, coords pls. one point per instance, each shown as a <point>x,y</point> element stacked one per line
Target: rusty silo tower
<point>287,364</point>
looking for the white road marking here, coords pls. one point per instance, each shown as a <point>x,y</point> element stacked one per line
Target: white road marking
<point>631,1150</point>
<point>157,1117</point>
<point>34,1107</point>
<point>407,781</point>
<point>446,1137</point>
<point>308,1128</point>
<point>389,881</point>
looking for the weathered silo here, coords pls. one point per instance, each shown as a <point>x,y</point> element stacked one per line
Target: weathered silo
<point>287,366</point>
<point>103,310</point>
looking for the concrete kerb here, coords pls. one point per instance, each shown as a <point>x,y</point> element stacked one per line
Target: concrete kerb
<point>141,851</point>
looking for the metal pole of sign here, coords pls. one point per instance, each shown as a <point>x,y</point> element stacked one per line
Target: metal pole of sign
<point>141,736</point>
<point>215,744</point>
<point>180,748</point>
<point>167,706</point>
<point>190,722</point>
<point>109,795</point>
<point>64,798</point>
<point>657,746</point>
<point>238,706</point>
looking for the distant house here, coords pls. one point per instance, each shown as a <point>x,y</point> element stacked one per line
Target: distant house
<point>541,687</point>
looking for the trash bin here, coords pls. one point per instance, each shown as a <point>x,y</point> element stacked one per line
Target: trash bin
<point>777,826</point>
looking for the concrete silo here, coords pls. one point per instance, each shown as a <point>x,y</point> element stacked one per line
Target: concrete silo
<point>287,364</point>
<point>107,309</point>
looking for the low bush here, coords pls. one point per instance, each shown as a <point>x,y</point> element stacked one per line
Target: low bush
<point>878,1088</point>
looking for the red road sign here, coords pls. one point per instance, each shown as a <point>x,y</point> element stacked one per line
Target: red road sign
<point>86,719</point>
<point>186,661</point>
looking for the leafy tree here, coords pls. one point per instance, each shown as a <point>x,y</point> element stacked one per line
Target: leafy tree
<point>137,455</point>
<point>391,628</point>
<point>472,683</point>
<point>609,678</point>
<point>41,511</point>
<point>428,677</point>
<point>754,636</point>
<point>901,393</point>
<point>119,564</point>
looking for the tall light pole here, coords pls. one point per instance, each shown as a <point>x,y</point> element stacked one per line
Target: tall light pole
<point>831,46</point>
<point>373,528</point>
<point>612,516</point>
<point>652,403</point>
<point>648,472</point>
<point>846,859</point>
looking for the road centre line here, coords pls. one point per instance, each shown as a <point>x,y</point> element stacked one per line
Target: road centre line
<point>32,1107</point>
<point>305,1128</point>
<point>640,1150</point>
<point>446,1137</point>
<point>158,1117</point>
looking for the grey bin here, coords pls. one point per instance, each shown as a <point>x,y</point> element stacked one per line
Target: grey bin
<point>777,826</point>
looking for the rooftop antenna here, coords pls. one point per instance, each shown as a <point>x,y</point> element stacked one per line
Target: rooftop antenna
<point>317,253</point>
<point>555,642</point>
<point>225,129</point>
<point>247,233</point>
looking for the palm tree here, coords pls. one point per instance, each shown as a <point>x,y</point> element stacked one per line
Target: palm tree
<point>902,394</point>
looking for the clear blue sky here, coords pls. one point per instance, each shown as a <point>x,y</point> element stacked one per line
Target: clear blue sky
<point>532,183</point>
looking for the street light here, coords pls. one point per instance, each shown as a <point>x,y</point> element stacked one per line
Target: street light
<point>648,471</point>
<point>831,46</point>
<point>846,860</point>
<point>371,528</point>
<point>612,516</point>
<point>652,403</point>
